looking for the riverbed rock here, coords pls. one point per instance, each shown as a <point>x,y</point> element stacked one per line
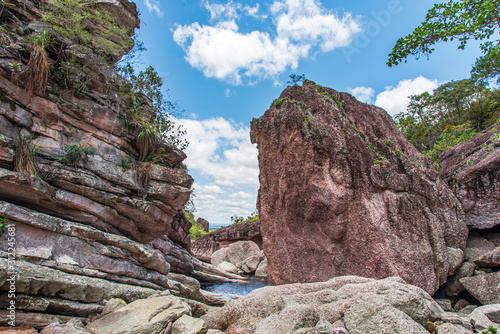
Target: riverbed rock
<point>189,325</point>
<point>145,316</point>
<point>330,300</point>
<point>204,247</point>
<point>342,190</point>
<point>490,259</point>
<point>261,269</point>
<point>471,171</point>
<point>67,328</point>
<point>477,246</point>
<point>448,328</point>
<point>484,288</point>
<point>228,267</point>
<point>453,285</point>
<point>480,317</point>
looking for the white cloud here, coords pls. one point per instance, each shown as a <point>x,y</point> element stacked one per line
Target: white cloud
<point>220,150</point>
<point>221,51</point>
<point>363,94</point>
<point>228,11</point>
<point>153,6</point>
<point>395,99</point>
<point>207,189</point>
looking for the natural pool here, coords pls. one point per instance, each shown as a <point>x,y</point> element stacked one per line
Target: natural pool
<point>231,290</point>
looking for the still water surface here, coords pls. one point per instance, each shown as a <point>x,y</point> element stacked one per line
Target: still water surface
<point>231,290</point>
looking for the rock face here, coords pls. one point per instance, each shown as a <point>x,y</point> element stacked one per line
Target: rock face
<point>471,171</point>
<point>204,223</point>
<point>390,305</point>
<point>204,247</point>
<point>92,220</point>
<point>343,192</point>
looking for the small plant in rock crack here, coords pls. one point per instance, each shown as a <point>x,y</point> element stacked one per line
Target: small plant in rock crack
<point>3,224</point>
<point>490,330</point>
<point>76,154</point>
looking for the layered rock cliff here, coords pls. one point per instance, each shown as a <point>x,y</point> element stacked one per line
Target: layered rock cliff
<point>90,217</point>
<point>343,193</point>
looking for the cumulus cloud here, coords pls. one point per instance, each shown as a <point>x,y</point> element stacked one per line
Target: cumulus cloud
<point>153,6</point>
<point>220,150</point>
<point>395,99</point>
<point>363,94</point>
<point>227,11</point>
<point>221,51</point>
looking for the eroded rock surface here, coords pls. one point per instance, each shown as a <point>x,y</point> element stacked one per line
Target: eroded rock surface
<point>343,193</point>
<point>471,171</point>
<point>390,304</point>
<point>204,247</point>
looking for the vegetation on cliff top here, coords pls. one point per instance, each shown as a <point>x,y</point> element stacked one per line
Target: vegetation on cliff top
<point>75,43</point>
<point>458,110</point>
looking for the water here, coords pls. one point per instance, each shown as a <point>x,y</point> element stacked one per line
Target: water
<point>215,227</point>
<point>231,290</point>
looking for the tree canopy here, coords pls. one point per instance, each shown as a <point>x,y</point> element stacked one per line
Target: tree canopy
<point>462,20</point>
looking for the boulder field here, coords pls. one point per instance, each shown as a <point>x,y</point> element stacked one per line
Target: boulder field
<point>343,192</point>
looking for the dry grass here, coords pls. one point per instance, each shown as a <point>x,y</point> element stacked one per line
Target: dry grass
<point>37,70</point>
<point>25,157</point>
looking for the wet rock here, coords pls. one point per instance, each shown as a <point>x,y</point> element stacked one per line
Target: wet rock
<point>339,186</point>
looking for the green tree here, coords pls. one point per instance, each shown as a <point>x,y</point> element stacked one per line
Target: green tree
<point>463,20</point>
<point>296,79</point>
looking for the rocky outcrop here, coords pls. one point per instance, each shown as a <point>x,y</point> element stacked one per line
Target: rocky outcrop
<point>359,305</point>
<point>204,247</point>
<point>343,193</point>
<point>92,219</point>
<point>240,257</point>
<point>203,223</point>
<point>471,171</point>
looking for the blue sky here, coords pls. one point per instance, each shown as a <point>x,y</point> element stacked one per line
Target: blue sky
<point>225,61</point>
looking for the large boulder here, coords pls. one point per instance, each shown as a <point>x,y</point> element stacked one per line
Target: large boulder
<point>145,316</point>
<point>204,247</point>
<point>390,304</point>
<point>204,223</point>
<point>342,190</point>
<point>471,171</point>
